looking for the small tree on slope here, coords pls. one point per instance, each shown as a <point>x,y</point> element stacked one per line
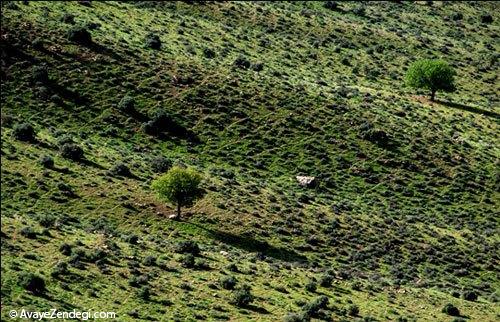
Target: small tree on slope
<point>432,75</point>
<point>179,186</point>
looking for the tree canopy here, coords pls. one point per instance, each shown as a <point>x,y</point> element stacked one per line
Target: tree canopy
<point>432,75</point>
<point>179,186</point>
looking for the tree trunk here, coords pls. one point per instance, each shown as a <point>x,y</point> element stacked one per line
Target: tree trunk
<point>433,94</point>
<point>178,210</point>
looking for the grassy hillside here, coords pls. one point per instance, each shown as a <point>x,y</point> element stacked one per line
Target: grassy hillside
<point>404,218</point>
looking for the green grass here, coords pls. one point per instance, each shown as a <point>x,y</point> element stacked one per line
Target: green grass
<point>411,212</point>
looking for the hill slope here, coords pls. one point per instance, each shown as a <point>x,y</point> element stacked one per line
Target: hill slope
<point>251,94</point>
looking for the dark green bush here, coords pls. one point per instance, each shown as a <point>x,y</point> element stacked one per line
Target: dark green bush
<point>68,18</point>
<point>312,308</point>
<point>40,73</point>
<point>79,34</point>
<point>326,280</point>
<point>353,310</point>
<point>28,232</point>
<point>242,62</point>
<point>188,261</point>
<point>144,293</point>
<point>331,5</point>
<point>311,286</point>
<point>65,249</point>
<point>187,247</point>
<point>120,169</point>
<point>228,282</point>
<point>149,261</point>
<point>24,132</point>
<point>47,162</point>
<point>61,268</point>
<point>31,282</point>
<point>242,297</point>
<point>71,151</point>
<point>470,296</point>
<point>153,41</point>
<point>486,18</point>
<point>450,309</point>
<point>161,164</point>
<point>127,104</point>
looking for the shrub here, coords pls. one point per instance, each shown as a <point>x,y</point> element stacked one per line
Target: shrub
<point>79,34</point>
<point>486,18</point>
<point>331,5</point>
<point>450,309</point>
<point>120,169</point>
<point>160,164</point>
<point>311,286</point>
<point>228,282</point>
<point>312,308</point>
<point>470,296</point>
<point>353,310</point>
<point>432,75</point>
<point>32,282</point>
<point>68,18</point>
<point>242,297</point>
<point>457,16</point>
<point>24,132</point>
<point>187,261</point>
<point>187,247</point>
<point>326,280</point>
<point>71,151</point>
<point>28,232</point>
<point>40,74</point>
<point>131,239</point>
<point>46,220</point>
<point>153,41</point>
<point>61,268</point>
<point>65,249</point>
<point>242,62</point>
<point>208,53</point>
<point>297,317</point>
<point>149,261</point>
<point>144,293</point>
<point>127,104</point>
<point>47,162</point>
<point>179,186</point>
<point>258,67</point>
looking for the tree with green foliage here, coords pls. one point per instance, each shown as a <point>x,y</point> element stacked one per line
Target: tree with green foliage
<point>179,186</point>
<point>432,75</point>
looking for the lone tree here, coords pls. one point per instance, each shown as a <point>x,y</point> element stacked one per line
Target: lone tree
<point>432,75</point>
<point>179,186</point>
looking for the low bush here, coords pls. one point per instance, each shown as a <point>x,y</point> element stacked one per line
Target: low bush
<point>47,162</point>
<point>71,151</point>
<point>127,104</point>
<point>31,282</point>
<point>40,73</point>
<point>24,132</point>
<point>153,41</point>
<point>470,296</point>
<point>242,297</point>
<point>187,247</point>
<point>228,282</point>
<point>28,232</point>
<point>187,261</point>
<point>120,169</point>
<point>450,309</point>
<point>161,164</point>
<point>79,34</point>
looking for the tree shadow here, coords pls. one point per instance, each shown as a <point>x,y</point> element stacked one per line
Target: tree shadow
<point>250,244</point>
<point>468,108</point>
<point>67,94</point>
<point>257,309</point>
